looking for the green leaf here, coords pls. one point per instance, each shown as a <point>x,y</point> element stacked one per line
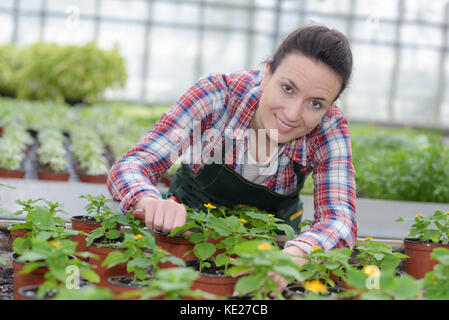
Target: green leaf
<point>113,234</point>
<point>289,271</point>
<point>113,258</point>
<point>204,250</point>
<point>248,284</point>
<point>221,259</point>
<point>90,275</point>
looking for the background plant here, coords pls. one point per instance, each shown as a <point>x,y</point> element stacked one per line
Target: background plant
<point>434,228</point>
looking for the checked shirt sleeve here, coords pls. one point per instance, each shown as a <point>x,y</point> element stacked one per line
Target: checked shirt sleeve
<point>335,223</point>
<point>135,175</point>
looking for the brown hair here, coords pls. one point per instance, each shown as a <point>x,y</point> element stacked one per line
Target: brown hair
<point>317,42</point>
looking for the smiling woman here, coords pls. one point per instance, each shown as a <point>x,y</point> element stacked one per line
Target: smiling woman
<point>292,104</point>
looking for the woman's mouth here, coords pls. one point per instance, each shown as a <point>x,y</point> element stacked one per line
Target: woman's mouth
<point>282,126</point>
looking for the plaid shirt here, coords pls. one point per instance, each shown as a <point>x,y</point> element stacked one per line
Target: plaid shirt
<point>227,103</point>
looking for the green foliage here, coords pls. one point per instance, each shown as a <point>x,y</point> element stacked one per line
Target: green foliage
<point>434,228</point>
<point>13,145</point>
<point>141,253</point>
<point>97,207</point>
<point>58,256</point>
<point>51,152</point>
<point>436,282</point>
<point>378,254</point>
<point>322,264</point>
<point>50,71</point>
<point>86,292</point>
<point>261,259</point>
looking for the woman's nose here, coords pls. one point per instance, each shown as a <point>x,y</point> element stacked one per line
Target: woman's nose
<point>293,112</point>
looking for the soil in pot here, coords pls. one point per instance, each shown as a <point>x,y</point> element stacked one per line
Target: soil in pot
<point>122,284</point>
<point>35,277</point>
<point>103,272</point>
<point>30,293</point>
<point>213,280</point>
<point>86,224</point>
<point>298,291</point>
<point>420,262</point>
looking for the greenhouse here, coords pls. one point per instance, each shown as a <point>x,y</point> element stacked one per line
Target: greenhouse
<point>193,150</point>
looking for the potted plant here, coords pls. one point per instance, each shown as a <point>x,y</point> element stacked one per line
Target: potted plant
<point>14,146</point>
<point>426,234</point>
<point>106,239</point>
<point>436,282</point>
<point>142,257</point>
<point>51,161</point>
<point>53,258</point>
<point>97,210</point>
<point>321,271</point>
<point>261,258</point>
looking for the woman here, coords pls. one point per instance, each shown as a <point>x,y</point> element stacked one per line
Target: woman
<point>271,129</point>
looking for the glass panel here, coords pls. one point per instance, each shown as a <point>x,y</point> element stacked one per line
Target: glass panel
<point>61,31</point>
<point>225,17</point>
<point>367,93</point>
<point>224,52</point>
<point>421,35</point>
<point>84,6</point>
<point>417,85</point>
<point>264,20</point>
<point>333,23</point>
<point>232,2</point>
<point>28,30</point>
<point>30,5</point>
<point>129,39</point>
<point>176,12</point>
<point>265,3</point>
<point>375,9</point>
<point>420,10</point>
<point>172,63</point>
<point>9,4</point>
<point>374,31</point>
<point>6,25</point>
<point>262,51</point>
<point>130,9</point>
<point>329,6</point>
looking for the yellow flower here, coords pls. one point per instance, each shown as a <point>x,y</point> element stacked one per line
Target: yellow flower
<point>270,215</point>
<point>368,239</point>
<point>210,206</point>
<point>315,286</point>
<point>243,220</point>
<point>56,244</point>
<point>264,246</point>
<point>447,212</point>
<point>370,270</point>
<point>316,248</point>
<point>138,236</point>
<point>419,215</point>
<point>160,250</point>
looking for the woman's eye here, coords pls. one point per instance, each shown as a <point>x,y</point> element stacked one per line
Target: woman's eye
<point>315,104</point>
<point>287,88</point>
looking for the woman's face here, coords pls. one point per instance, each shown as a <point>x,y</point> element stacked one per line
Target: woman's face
<point>295,97</point>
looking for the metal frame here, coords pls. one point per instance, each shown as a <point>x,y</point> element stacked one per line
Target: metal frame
<point>249,30</point>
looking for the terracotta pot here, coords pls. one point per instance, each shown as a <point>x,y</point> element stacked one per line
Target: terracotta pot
<point>177,246</point>
<point>217,284</point>
<point>419,262</point>
<point>30,293</point>
<point>103,272</point>
<point>122,284</point>
<point>17,233</point>
<point>92,179</point>
<point>53,176</point>
<point>85,224</point>
<point>17,174</point>
<point>35,277</point>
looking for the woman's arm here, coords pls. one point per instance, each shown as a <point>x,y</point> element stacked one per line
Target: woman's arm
<point>135,175</point>
<point>335,223</point>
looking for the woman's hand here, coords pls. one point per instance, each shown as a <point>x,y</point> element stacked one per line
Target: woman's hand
<point>160,214</point>
<point>297,254</point>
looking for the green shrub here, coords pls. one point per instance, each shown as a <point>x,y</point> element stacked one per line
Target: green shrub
<point>50,71</point>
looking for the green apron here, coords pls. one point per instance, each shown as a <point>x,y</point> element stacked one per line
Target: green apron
<point>219,185</point>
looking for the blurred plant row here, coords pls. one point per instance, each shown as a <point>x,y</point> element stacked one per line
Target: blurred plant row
<point>63,73</point>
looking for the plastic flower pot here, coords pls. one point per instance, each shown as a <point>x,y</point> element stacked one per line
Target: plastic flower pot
<point>53,176</point>
<point>17,233</point>
<point>86,224</point>
<point>35,277</point>
<point>122,284</point>
<point>30,293</point>
<point>177,246</point>
<point>92,179</point>
<point>420,262</point>
<point>17,174</point>
<point>212,280</point>
<point>104,272</point>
